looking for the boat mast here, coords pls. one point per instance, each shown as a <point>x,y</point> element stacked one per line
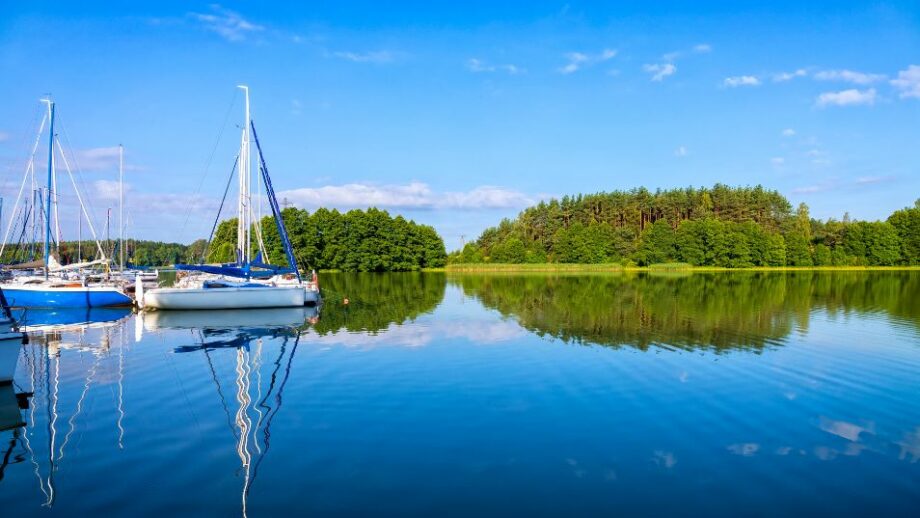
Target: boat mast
<point>243,241</point>
<point>121,208</point>
<point>50,181</point>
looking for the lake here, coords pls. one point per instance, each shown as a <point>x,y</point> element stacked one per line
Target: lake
<point>439,394</point>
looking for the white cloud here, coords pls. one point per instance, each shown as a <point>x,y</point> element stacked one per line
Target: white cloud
<point>376,56</point>
<point>4,136</point>
<point>736,81</point>
<point>226,23</point>
<point>849,76</point>
<point>788,76</point>
<point>702,48</point>
<point>477,65</point>
<point>868,180</point>
<point>908,82</point>
<point>660,71</point>
<point>852,97</point>
<point>681,151</point>
<point>778,161</point>
<point>296,107</point>
<point>579,60</point>
<point>788,132</point>
<point>414,195</point>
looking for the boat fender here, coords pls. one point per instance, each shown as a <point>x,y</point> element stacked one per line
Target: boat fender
<point>139,291</point>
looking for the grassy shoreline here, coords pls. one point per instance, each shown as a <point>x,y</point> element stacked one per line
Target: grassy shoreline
<point>615,268</point>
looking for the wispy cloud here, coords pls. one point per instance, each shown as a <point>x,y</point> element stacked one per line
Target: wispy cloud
<point>579,60</point>
<point>702,48</point>
<point>4,136</point>
<point>736,81</point>
<point>414,195</point>
<point>666,68</point>
<point>908,82</point>
<point>849,76</point>
<point>778,161</point>
<point>782,77</point>
<point>681,151</point>
<point>377,56</point>
<point>788,132</point>
<point>659,71</point>
<point>230,25</point>
<point>852,97</point>
<point>868,180</point>
<point>478,66</point>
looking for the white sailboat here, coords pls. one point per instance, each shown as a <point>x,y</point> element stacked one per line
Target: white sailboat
<point>249,282</point>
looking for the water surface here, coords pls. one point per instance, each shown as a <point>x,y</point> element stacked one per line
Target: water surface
<point>723,394</point>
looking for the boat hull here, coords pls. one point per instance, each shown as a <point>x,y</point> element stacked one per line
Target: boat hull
<point>224,298</point>
<point>10,344</point>
<point>64,297</point>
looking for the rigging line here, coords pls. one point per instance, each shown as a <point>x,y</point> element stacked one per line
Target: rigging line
<point>266,432</point>
<point>223,200</point>
<point>23,142</point>
<point>80,199</point>
<point>79,408</point>
<point>30,164</point>
<point>76,163</point>
<point>220,392</point>
<point>207,166</point>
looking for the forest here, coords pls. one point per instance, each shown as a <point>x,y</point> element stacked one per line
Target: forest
<point>722,226</point>
<point>355,241</point>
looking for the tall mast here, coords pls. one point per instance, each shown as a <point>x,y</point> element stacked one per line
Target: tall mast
<point>121,207</point>
<point>243,241</point>
<point>50,181</point>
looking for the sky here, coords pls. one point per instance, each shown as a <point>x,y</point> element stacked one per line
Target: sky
<point>460,114</point>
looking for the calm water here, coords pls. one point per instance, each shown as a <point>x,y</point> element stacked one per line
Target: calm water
<point>723,394</point>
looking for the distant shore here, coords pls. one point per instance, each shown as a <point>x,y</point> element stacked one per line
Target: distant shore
<point>668,267</point>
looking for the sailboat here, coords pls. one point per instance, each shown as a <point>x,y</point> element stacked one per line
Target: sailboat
<point>251,281</point>
<point>67,287</point>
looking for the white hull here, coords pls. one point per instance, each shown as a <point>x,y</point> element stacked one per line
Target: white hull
<point>10,344</point>
<point>311,296</point>
<point>224,298</point>
<point>228,318</point>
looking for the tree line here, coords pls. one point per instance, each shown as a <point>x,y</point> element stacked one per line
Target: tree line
<point>721,226</point>
<point>356,241</point>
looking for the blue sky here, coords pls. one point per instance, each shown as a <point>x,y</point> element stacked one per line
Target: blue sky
<point>460,114</point>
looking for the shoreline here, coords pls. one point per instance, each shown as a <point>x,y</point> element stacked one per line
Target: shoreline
<point>666,268</point>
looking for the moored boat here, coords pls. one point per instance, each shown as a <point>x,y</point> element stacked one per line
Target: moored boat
<point>251,281</point>
<point>52,285</point>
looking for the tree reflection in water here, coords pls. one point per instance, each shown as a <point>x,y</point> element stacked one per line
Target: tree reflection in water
<point>720,311</point>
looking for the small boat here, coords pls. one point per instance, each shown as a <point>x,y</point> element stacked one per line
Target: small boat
<point>251,281</point>
<point>11,340</point>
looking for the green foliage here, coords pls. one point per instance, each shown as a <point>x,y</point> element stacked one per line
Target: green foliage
<point>719,226</point>
<point>906,223</point>
<point>359,241</point>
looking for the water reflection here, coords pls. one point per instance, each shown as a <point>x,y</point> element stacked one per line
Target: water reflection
<point>199,395</point>
<point>257,402</point>
<point>721,311</point>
